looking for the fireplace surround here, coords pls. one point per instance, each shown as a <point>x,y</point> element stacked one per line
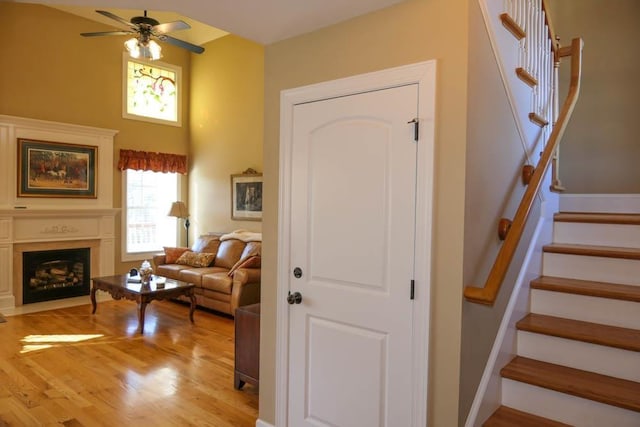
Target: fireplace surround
<point>37,231</point>
<point>29,224</point>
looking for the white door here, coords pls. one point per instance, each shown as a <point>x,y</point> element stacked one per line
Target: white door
<point>353,207</point>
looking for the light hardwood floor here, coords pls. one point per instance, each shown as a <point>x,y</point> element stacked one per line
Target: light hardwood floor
<point>67,367</point>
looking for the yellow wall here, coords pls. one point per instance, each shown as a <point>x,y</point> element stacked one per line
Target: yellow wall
<point>50,72</point>
<point>227,105</point>
<point>412,31</point>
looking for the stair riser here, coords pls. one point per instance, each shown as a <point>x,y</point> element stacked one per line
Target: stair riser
<point>600,359</point>
<point>612,312</point>
<point>611,203</point>
<point>565,408</point>
<point>600,269</point>
<point>617,235</point>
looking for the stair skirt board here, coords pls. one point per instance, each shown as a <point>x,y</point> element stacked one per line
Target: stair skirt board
<point>564,407</point>
<point>617,235</point>
<point>586,308</point>
<point>599,269</point>
<point>600,359</point>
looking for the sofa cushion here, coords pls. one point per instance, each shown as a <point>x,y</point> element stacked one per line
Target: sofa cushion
<point>253,261</point>
<point>171,255</point>
<point>208,243</point>
<point>218,297</point>
<point>170,270</point>
<point>229,253</point>
<point>219,282</point>
<point>194,275</point>
<point>196,259</point>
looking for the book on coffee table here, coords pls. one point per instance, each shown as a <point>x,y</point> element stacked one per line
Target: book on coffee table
<point>134,279</point>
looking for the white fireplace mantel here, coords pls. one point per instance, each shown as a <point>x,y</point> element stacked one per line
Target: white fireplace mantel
<point>46,225</point>
<point>38,221</point>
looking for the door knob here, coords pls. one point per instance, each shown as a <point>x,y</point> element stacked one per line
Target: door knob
<point>294,298</point>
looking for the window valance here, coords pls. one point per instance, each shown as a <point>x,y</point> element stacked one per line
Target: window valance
<point>156,162</point>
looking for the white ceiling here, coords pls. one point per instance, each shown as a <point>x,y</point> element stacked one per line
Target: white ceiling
<point>263,21</point>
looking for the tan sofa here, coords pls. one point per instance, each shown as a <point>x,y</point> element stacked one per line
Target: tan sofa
<point>229,280</point>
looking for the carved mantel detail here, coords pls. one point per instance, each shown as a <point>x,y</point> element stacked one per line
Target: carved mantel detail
<point>59,229</point>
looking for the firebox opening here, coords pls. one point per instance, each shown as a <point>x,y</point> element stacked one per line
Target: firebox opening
<point>55,274</point>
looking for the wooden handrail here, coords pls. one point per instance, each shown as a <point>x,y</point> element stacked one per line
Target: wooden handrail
<point>552,34</point>
<point>487,295</point>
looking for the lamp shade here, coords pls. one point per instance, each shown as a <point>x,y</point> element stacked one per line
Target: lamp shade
<point>179,210</point>
<point>147,49</point>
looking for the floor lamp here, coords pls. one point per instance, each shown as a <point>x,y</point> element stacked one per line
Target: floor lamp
<point>179,210</point>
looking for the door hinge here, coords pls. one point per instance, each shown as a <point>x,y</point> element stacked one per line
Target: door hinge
<point>416,129</point>
<point>413,289</point>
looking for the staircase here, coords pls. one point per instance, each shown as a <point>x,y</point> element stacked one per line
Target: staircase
<point>578,350</point>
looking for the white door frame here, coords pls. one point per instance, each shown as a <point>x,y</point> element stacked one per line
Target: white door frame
<point>422,74</point>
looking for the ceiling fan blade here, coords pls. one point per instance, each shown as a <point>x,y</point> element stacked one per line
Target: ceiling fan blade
<point>117,18</point>
<point>170,26</point>
<point>107,33</point>
<point>180,43</point>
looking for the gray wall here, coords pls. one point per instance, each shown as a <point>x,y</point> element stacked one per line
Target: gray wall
<point>600,151</point>
<point>493,189</point>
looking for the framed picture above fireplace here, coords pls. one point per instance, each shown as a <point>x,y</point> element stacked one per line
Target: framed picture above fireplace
<point>56,169</point>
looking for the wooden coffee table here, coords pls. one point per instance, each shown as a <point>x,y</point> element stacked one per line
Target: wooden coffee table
<point>120,286</point>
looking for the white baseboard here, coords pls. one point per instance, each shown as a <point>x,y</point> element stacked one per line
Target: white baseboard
<point>54,304</point>
<point>612,203</point>
<point>260,423</point>
<point>7,302</point>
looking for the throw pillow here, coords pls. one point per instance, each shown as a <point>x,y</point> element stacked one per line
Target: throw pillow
<point>252,248</point>
<point>171,255</point>
<point>253,261</point>
<point>193,259</point>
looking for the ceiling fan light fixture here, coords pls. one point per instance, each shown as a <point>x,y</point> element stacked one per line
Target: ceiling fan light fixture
<point>147,50</point>
<point>132,47</point>
<point>155,51</point>
<point>146,28</point>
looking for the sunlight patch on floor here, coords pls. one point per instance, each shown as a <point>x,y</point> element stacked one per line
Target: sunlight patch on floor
<point>162,382</point>
<point>41,342</point>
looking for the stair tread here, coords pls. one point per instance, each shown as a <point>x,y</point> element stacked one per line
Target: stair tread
<point>601,388</point>
<point>593,250</point>
<point>588,288</point>
<point>509,417</point>
<point>611,336</point>
<point>598,218</point>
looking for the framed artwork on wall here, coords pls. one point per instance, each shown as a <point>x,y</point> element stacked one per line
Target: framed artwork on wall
<point>56,169</point>
<point>246,196</point>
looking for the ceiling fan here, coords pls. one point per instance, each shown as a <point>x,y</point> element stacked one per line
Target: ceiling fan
<point>145,29</point>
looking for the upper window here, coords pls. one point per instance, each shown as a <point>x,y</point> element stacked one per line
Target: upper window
<point>151,91</point>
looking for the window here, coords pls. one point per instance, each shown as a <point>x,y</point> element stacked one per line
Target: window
<point>147,200</point>
<point>151,91</point>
